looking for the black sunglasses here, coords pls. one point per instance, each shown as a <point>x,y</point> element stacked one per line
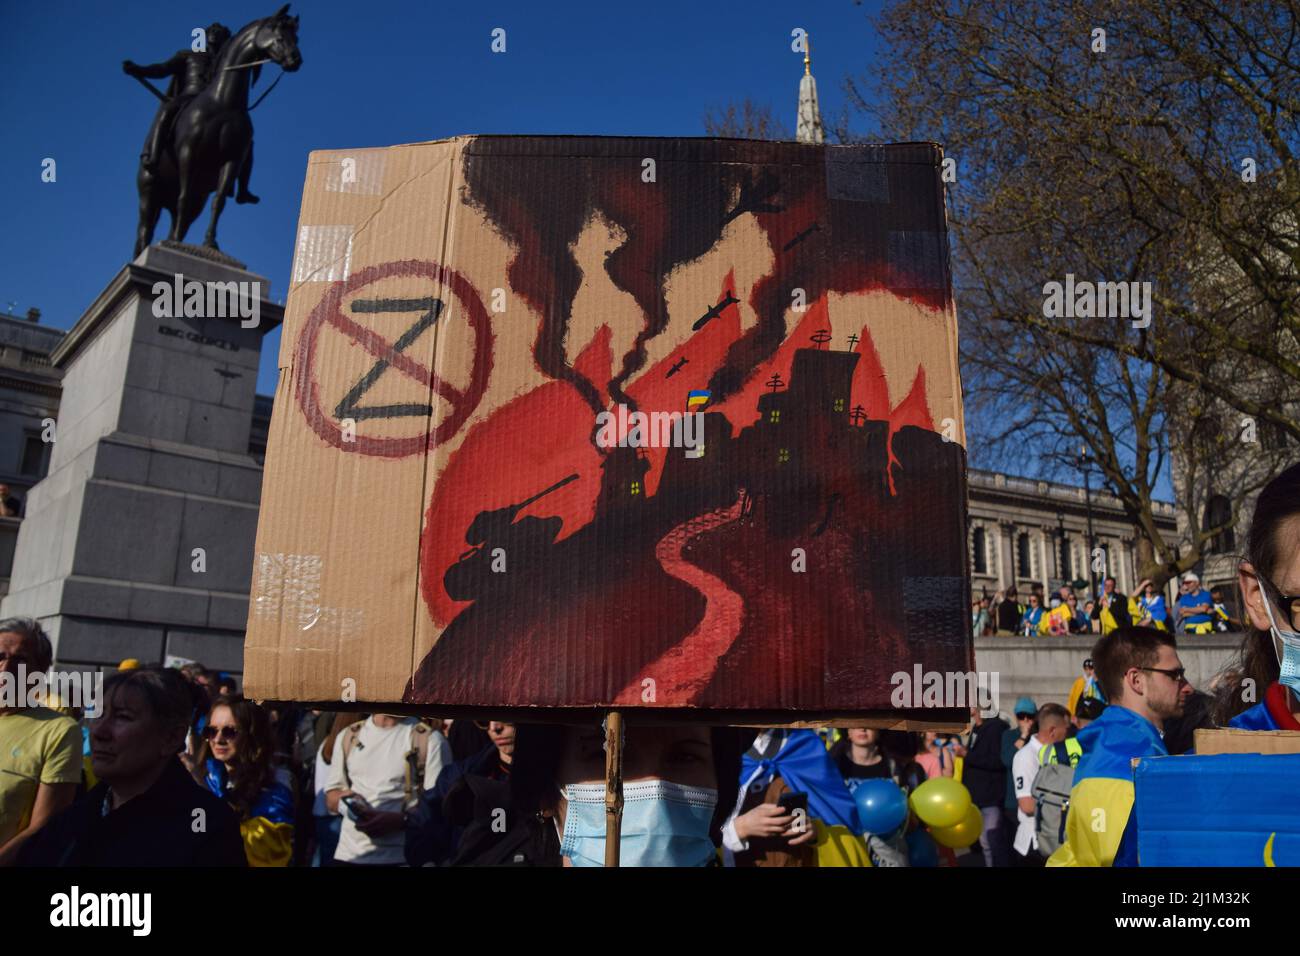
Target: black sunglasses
<point>226,733</point>
<point>1178,673</point>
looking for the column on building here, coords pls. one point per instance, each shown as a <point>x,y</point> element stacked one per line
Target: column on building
<point>1044,568</point>
<point>1130,566</point>
<point>1108,561</point>
<point>1006,554</point>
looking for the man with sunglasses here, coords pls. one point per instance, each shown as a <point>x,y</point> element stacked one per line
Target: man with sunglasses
<point>1145,682</point>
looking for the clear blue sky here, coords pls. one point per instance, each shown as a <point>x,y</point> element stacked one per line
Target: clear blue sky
<point>374,74</point>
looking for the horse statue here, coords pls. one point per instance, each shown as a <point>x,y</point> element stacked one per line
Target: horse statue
<point>206,144</point>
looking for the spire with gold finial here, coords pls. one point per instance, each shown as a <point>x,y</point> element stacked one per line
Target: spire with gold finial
<point>808,127</point>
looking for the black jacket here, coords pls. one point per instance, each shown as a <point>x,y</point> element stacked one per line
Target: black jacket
<point>1009,616</point>
<point>157,828</point>
<point>469,819</point>
<point>985,776</point>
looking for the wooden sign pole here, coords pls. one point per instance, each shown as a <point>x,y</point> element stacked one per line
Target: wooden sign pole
<point>613,784</point>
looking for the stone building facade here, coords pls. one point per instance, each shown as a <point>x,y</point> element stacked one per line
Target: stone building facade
<point>1227,491</point>
<point>29,397</point>
<point>1035,533</point>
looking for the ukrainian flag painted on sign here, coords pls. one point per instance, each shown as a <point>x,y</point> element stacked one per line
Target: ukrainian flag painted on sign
<point>1100,827</point>
<point>1219,810</point>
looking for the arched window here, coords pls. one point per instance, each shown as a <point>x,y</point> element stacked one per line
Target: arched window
<point>980,551</point>
<point>1218,510</point>
<point>1024,556</point>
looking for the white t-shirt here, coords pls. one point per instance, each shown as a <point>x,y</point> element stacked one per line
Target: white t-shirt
<point>320,783</point>
<point>1024,768</point>
<point>377,769</point>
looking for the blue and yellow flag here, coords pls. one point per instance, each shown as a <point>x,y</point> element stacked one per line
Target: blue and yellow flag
<point>1219,810</point>
<point>806,767</point>
<point>1100,827</point>
<point>267,829</point>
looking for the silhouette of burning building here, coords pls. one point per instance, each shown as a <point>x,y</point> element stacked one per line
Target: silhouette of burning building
<point>796,570</point>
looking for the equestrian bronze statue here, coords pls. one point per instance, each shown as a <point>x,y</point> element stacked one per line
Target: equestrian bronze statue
<point>201,140</point>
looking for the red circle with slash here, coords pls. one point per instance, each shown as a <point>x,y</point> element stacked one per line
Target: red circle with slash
<point>329,312</point>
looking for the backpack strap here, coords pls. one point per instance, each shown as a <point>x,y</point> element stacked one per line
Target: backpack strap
<point>350,734</point>
<point>416,758</point>
<point>1062,754</point>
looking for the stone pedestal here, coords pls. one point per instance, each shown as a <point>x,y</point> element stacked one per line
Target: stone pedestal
<point>150,463</point>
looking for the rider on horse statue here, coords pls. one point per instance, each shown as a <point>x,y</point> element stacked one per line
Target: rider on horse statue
<point>201,141</point>
<point>190,71</point>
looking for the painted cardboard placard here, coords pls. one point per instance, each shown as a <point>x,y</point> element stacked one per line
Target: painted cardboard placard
<point>570,422</point>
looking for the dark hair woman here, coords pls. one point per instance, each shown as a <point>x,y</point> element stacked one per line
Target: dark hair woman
<point>235,763</point>
<point>143,810</point>
<point>1268,671</point>
<point>680,785</point>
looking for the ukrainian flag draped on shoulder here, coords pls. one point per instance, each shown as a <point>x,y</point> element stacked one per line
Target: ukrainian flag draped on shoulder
<point>1271,713</point>
<point>267,829</point>
<point>806,767</point>
<point>1100,827</point>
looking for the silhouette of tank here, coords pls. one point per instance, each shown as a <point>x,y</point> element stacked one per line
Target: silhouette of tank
<point>498,538</point>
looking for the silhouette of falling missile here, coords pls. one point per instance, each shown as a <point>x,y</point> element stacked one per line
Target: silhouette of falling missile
<point>677,366</point>
<point>754,196</point>
<point>815,227</point>
<point>715,311</point>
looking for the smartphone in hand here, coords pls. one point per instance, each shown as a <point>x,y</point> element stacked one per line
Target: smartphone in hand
<point>356,806</point>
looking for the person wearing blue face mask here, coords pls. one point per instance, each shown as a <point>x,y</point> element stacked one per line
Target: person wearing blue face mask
<point>672,813</point>
<point>1267,675</point>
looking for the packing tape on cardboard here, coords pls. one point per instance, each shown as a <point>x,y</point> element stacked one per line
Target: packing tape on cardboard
<point>287,589</point>
<point>857,174</point>
<point>323,254</point>
<point>359,171</point>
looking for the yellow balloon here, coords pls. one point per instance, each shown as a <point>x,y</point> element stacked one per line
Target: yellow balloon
<point>941,802</point>
<point>963,834</point>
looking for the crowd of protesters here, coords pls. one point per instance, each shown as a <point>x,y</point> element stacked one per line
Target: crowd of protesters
<point>177,769</point>
<point>1196,611</point>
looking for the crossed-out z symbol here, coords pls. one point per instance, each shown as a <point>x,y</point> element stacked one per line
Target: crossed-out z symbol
<point>348,407</point>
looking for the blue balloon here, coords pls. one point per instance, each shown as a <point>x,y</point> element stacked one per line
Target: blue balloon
<point>882,806</point>
<point>889,837</point>
<point>921,849</point>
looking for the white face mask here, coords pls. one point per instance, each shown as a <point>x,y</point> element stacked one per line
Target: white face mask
<point>664,824</point>
<point>1289,657</point>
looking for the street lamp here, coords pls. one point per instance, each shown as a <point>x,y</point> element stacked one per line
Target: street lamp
<point>1084,465</point>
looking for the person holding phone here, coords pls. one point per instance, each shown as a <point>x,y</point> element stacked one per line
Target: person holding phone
<point>794,808</point>
<point>380,767</point>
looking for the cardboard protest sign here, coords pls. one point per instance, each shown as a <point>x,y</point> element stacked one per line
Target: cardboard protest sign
<point>575,422</point>
<point>1233,809</point>
<point>1229,740</point>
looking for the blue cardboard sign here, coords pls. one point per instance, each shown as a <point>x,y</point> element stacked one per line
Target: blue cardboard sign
<point>1218,810</point>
